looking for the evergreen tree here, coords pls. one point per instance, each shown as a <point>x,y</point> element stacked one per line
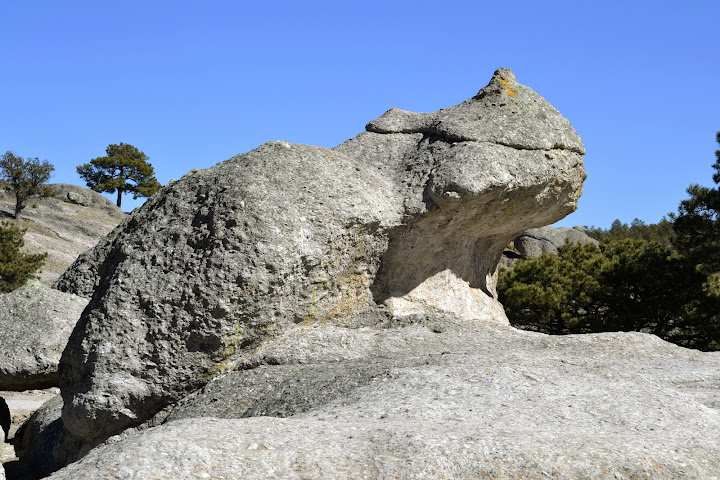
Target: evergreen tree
<point>26,178</point>
<point>697,225</point>
<point>553,294</point>
<point>661,232</point>
<point>125,169</point>
<point>15,267</point>
<point>626,285</point>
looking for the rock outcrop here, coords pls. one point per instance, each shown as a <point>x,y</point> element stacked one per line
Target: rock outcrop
<point>536,241</point>
<point>438,398</point>
<point>410,217</point>
<point>405,220</point>
<point>35,324</point>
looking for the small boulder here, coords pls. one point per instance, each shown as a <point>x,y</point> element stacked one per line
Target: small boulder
<point>35,323</point>
<point>536,241</point>
<point>77,198</point>
<point>37,437</point>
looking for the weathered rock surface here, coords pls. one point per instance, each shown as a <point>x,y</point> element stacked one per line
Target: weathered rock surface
<point>64,225</point>
<point>438,398</point>
<point>409,217</point>
<point>37,438</point>
<point>536,241</point>
<point>35,324</point>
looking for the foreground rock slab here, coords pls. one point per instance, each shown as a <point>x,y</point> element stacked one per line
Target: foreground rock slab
<point>35,324</point>
<point>439,399</point>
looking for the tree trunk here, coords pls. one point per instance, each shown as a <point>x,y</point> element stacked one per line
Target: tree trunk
<point>119,200</point>
<point>18,208</point>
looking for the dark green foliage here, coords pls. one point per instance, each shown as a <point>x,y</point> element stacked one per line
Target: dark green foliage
<point>25,178</point>
<point>697,225</point>
<point>662,278</point>
<point>122,165</point>
<point>551,294</point>
<point>626,285</point>
<point>661,232</point>
<point>15,267</point>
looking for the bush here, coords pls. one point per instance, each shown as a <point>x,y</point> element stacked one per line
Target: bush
<point>625,285</point>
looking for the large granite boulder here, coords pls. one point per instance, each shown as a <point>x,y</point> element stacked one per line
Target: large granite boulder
<point>438,398</point>
<point>536,241</point>
<point>35,324</point>
<point>407,218</point>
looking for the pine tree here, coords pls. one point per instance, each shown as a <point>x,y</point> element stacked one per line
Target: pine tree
<point>697,225</point>
<point>125,169</point>
<point>16,267</point>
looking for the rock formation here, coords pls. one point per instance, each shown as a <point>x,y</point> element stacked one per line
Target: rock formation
<point>536,241</point>
<point>410,217</point>
<point>35,323</point>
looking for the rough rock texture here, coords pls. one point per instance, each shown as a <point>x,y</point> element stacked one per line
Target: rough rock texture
<point>406,218</point>
<point>439,398</point>
<point>38,436</point>
<point>64,225</point>
<point>35,323</point>
<point>536,241</point>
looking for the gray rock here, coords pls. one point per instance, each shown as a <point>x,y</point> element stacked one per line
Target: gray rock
<point>38,436</point>
<point>536,241</point>
<point>35,323</point>
<point>440,399</point>
<point>78,199</point>
<point>84,197</point>
<point>509,259</point>
<point>408,218</point>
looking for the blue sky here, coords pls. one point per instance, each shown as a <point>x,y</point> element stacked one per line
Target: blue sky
<point>194,83</point>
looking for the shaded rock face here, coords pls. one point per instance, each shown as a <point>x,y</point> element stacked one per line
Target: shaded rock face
<point>437,398</point>
<point>38,436</point>
<point>408,218</point>
<point>35,323</point>
<point>536,241</point>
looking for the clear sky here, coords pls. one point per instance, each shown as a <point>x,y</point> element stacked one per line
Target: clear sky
<point>194,83</point>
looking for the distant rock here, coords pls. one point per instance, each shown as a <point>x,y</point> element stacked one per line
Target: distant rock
<point>35,323</point>
<point>408,218</point>
<point>64,225</point>
<point>439,399</point>
<point>536,241</point>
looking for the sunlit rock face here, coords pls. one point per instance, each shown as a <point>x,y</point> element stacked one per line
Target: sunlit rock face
<point>409,217</point>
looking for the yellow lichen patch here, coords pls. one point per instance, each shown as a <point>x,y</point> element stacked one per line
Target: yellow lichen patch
<point>509,91</point>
